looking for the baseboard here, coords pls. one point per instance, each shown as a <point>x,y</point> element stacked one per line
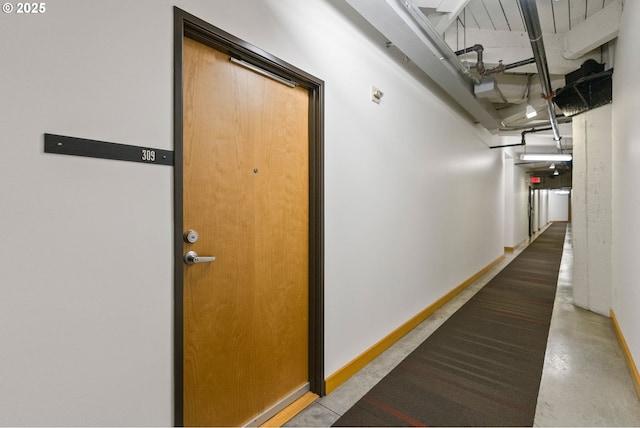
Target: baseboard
<point>512,249</point>
<point>292,410</point>
<point>528,240</point>
<point>351,368</point>
<point>633,369</point>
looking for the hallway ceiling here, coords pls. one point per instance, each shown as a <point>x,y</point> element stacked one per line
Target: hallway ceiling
<point>556,16</point>
<point>574,31</point>
<point>428,32</point>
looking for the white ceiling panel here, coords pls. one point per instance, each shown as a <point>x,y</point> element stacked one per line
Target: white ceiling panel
<point>428,3</point>
<point>452,6</point>
<point>546,11</point>
<point>556,16</point>
<point>479,14</point>
<point>578,11</point>
<point>467,19</point>
<point>561,17</point>
<point>512,11</point>
<point>593,6</point>
<point>497,15</point>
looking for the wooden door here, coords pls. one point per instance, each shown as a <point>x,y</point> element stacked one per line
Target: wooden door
<point>246,184</point>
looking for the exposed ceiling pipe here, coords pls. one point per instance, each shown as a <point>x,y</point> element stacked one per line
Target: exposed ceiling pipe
<point>515,128</point>
<point>480,67</point>
<point>506,145</point>
<point>519,63</point>
<point>478,49</point>
<point>522,142</point>
<point>532,22</point>
<point>502,67</point>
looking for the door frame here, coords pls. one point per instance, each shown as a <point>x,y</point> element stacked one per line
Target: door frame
<point>530,209</point>
<point>187,25</point>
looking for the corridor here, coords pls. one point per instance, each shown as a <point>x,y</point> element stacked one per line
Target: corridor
<point>410,197</point>
<point>585,380</point>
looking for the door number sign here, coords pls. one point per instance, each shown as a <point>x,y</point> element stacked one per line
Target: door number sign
<point>148,155</point>
<point>63,145</point>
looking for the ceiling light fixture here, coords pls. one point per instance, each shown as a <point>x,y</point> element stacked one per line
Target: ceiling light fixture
<point>530,112</point>
<point>552,166</point>
<point>549,157</point>
<point>556,172</point>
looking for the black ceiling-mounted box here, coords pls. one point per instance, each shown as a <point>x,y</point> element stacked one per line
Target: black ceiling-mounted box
<point>590,66</point>
<point>586,88</point>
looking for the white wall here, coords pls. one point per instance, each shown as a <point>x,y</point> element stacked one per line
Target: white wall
<point>516,203</point>
<point>521,205</point>
<point>592,210</point>
<point>507,168</point>
<point>626,176</point>
<point>86,254</point>
<point>544,207</point>
<point>558,206</point>
<point>414,198</point>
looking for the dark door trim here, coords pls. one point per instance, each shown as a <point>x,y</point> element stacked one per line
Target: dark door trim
<point>530,209</point>
<point>187,25</point>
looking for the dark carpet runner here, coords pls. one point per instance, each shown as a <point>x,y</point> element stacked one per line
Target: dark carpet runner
<point>483,366</point>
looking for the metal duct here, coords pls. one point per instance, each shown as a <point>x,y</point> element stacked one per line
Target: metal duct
<point>532,22</point>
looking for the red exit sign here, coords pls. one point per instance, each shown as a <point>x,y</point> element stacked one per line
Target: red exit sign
<point>535,179</point>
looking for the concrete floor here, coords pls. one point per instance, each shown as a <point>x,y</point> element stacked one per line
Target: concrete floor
<point>585,380</point>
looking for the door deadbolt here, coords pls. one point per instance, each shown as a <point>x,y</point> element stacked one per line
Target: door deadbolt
<point>191,236</point>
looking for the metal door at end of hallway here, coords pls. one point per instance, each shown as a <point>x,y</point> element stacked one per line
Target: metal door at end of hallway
<point>246,194</point>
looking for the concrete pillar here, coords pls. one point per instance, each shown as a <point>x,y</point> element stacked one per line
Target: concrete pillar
<point>592,191</point>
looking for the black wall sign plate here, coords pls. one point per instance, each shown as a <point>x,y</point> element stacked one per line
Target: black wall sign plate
<point>101,149</point>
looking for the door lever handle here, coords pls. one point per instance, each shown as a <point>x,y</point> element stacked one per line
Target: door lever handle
<point>191,258</point>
